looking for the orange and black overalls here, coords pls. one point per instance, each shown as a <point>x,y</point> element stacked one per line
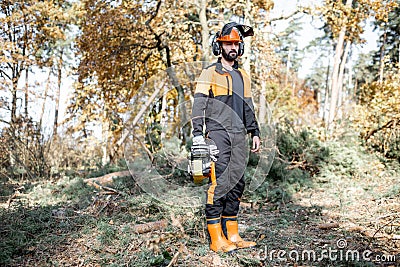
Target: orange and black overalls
<point>223,103</point>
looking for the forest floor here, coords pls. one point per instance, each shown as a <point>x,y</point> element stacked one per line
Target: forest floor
<point>347,215</point>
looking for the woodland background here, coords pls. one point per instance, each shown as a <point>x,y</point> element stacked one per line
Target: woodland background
<point>129,66</point>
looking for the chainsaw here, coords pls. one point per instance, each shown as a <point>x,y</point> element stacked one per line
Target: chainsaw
<point>202,160</point>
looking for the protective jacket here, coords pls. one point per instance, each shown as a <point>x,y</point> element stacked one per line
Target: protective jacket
<point>213,102</point>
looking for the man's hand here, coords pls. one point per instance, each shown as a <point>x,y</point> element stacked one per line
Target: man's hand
<point>198,140</point>
<point>214,152</point>
<point>256,144</point>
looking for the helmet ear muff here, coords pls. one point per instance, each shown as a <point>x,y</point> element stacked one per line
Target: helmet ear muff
<point>216,47</point>
<point>241,48</point>
<point>241,45</point>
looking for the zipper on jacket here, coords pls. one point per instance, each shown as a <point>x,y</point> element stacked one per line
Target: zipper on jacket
<point>227,81</point>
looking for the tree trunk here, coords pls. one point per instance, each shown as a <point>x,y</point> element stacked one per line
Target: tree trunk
<point>355,91</point>
<point>44,100</point>
<point>335,73</point>
<point>263,71</point>
<point>164,114</point>
<point>59,78</point>
<point>14,81</point>
<point>181,97</point>
<point>26,92</point>
<point>350,80</point>
<point>262,112</point>
<point>382,57</point>
<point>335,77</point>
<point>138,116</point>
<point>181,104</point>
<point>205,32</point>
<point>327,93</point>
<point>248,19</point>
<point>105,126</point>
<point>14,102</point>
<point>341,75</point>
<point>287,70</point>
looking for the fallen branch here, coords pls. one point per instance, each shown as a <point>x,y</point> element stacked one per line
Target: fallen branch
<point>149,154</point>
<point>327,226</point>
<point>297,164</point>
<point>106,180</point>
<point>174,259</point>
<point>150,226</point>
<point>112,190</point>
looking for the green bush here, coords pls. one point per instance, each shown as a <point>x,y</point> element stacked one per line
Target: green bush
<point>298,158</point>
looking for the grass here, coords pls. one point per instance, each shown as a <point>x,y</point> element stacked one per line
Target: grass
<point>65,222</point>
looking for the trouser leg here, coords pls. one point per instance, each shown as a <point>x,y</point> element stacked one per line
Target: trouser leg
<point>229,219</point>
<point>225,196</point>
<point>216,200</point>
<point>229,186</point>
<point>232,199</point>
<point>237,167</point>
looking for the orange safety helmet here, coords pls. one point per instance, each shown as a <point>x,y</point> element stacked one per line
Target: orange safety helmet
<point>233,36</point>
<point>231,32</point>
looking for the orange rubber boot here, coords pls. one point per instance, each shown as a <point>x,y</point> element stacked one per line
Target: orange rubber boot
<point>218,241</point>
<point>231,231</point>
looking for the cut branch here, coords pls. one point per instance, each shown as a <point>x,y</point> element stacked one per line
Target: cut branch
<point>387,125</point>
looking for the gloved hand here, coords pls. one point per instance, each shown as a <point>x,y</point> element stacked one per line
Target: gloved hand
<point>213,152</point>
<point>198,140</point>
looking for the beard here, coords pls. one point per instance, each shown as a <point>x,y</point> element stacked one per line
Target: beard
<point>231,56</point>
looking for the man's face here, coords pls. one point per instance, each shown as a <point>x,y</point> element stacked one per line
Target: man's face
<point>230,50</point>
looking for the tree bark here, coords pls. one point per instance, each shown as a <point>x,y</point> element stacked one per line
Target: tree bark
<point>205,32</point>
<point>59,78</point>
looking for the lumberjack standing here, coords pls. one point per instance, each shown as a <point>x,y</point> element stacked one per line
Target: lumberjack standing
<point>223,102</point>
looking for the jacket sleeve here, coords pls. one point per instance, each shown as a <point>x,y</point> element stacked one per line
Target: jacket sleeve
<point>201,95</point>
<point>250,118</point>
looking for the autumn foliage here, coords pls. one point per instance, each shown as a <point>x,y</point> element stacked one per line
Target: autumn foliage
<point>377,116</point>
<point>110,51</point>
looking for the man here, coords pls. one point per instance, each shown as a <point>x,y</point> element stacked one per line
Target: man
<point>223,102</point>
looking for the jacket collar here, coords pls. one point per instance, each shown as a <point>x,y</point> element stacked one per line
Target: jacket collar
<point>221,70</point>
